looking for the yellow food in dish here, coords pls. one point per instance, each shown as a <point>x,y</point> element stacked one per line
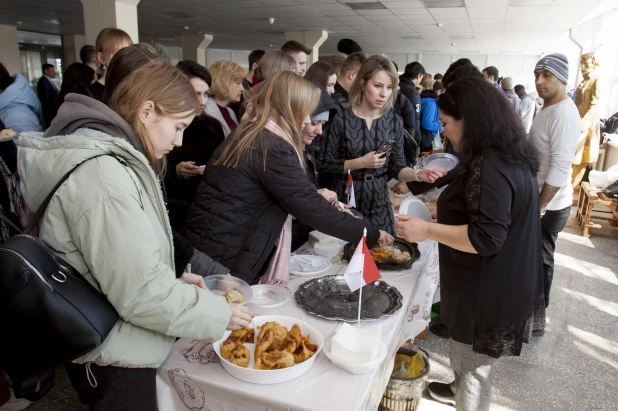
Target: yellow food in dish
<point>234,297</point>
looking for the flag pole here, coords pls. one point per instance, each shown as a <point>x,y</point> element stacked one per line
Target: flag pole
<point>360,290</point>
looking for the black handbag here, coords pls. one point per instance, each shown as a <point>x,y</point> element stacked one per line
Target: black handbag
<point>49,313</point>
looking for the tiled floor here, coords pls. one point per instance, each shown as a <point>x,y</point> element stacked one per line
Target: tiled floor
<point>573,367</point>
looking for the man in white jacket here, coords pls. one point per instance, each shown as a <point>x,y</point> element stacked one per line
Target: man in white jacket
<point>555,132</point>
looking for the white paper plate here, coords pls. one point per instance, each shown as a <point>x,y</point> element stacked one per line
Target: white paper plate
<point>322,264</point>
<point>415,208</point>
<point>357,369</point>
<point>442,162</point>
<point>271,376</point>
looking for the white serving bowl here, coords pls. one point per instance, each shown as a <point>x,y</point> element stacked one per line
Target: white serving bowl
<point>221,284</point>
<point>268,299</point>
<point>355,368</point>
<point>271,376</point>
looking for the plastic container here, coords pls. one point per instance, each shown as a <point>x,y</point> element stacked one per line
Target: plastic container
<point>442,162</point>
<point>356,369</point>
<point>268,299</point>
<point>271,376</point>
<point>404,394</point>
<point>416,208</point>
<point>221,284</point>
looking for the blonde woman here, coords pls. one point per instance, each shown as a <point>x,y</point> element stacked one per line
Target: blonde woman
<point>367,139</point>
<point>109,41</point>
<point>427,82</point>
<point>227,88</point>
<point>108,220</point>
<point>241,215</point>
<point>272,62</point>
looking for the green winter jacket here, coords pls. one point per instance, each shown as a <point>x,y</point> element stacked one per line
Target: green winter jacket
<point>109,221</point>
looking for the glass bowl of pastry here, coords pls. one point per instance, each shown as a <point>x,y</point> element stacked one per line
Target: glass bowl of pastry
<point>271,350</point>
<point>233,289</point>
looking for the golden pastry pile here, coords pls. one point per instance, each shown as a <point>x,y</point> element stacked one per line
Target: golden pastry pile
<point>276,347</point>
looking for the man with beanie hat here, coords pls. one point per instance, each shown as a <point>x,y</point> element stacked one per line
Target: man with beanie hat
<point>555,132</point>
<point>507,86</point>
<point>348,46</point>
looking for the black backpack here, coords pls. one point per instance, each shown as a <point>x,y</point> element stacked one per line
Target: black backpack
<point>410,146</point>
<point>49,313</point>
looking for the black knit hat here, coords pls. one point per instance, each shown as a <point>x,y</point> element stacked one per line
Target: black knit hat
<point>348,46</point>
<point>326,103</point>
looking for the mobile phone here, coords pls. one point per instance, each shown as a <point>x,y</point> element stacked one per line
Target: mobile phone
<point>385,148</point>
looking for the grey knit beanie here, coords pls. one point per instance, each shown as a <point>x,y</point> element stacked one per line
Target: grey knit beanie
<point>557,64</point>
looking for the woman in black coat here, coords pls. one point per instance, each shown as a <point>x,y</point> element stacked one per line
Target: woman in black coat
<point>256,181</point>
<point>199,142</point>
<point>489,230</point>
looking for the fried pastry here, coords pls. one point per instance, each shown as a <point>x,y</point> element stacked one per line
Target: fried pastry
<point>227,348</point>
<point>277,360</point>
<point>265,340</point>
<point>243,335</point>
<point>304,351</point>
<point>241,356</point>
<point>292,340</point>
<point>234,297</point>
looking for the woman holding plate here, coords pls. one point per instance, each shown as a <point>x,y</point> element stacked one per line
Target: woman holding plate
<point>367,140</point>
<point>489,230</point>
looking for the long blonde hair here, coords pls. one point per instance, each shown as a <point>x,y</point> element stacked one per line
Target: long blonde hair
<point>166,86</point>
<point>284,97</point>
<point>427,81</point>
<point>369,68</point>
<point>274,61</point>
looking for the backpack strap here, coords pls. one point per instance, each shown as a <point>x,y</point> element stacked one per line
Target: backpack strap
<point>41,210</point>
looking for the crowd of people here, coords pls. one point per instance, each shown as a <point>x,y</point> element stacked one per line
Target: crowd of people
<point>187,172</point>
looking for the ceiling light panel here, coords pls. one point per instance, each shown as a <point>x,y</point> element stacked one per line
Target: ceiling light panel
<point>366,6</point>
<point>444,3</point>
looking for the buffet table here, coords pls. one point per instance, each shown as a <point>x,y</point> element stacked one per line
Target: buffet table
<point>324,386</point>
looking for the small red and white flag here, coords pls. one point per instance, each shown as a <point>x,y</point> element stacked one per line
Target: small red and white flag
<point>350,191</point>
<point>362,269</point>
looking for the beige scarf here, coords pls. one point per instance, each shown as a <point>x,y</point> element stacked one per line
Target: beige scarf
<point>278,271</point>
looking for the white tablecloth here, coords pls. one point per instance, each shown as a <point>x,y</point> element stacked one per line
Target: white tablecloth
<point>324,386</point>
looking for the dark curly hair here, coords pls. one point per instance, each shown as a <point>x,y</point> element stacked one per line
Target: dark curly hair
<point>460,69</point>
<point>192,69</point>
<point>5,78</point>
<point>489,123</point>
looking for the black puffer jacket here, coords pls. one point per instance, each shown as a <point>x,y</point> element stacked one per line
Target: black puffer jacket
<point>239,212</point>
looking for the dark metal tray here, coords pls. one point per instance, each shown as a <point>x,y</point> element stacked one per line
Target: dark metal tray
<point>330,298</point>
<point>403,245</point>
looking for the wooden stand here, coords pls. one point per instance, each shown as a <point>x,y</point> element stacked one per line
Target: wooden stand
<point>588,197</point>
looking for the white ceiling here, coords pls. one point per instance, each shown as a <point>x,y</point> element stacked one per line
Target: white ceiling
<point>402,26</point>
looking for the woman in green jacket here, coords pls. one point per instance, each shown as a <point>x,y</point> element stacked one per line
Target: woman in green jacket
<point>109,221</point>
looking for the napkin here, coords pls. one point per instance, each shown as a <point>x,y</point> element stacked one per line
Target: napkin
<point>356,345</point>
<point>306,262</point>
<point>321,240</point>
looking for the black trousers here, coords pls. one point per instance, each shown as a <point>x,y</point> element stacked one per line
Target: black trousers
<point>117,388</point>
<point>551,224</point>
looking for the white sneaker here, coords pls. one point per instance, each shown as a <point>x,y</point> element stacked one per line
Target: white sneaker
<point>15,404</point>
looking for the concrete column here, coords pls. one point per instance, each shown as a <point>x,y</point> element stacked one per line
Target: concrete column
<point>194,46</point>
<point>311,39</point>
<point>99,14</point>
<point>9,49</point>
<point>72,44</point>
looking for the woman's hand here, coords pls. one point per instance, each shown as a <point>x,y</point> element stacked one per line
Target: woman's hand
<point>373,160</point>
<point>187,169</point>
<point>411,229</point>
<point>385,238</point>
<point>241,317</point>
<point>429,176</point>
<point>433,211</point>
<point>195,279</point>
<point>328,195</point>
<point>400,188</point>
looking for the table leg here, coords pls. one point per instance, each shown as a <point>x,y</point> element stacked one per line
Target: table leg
<point>586,227</point>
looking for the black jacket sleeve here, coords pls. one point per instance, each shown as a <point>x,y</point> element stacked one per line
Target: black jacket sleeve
<point>408,115</point>
<point>416,105</point>
<point>287,182</point>
<point>48,96</point>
